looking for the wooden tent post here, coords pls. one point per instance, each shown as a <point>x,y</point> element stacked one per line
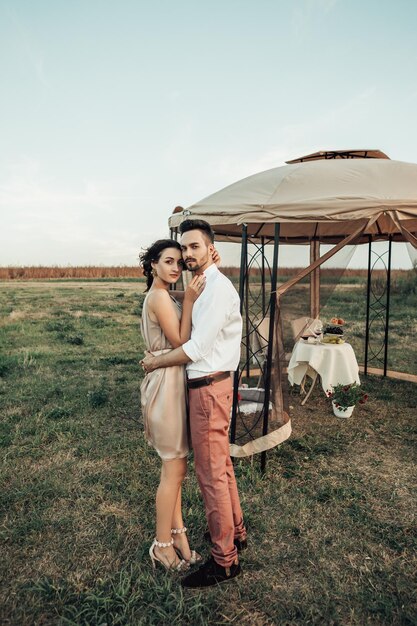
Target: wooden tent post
<point>314,280</point>
<point>387,306</point>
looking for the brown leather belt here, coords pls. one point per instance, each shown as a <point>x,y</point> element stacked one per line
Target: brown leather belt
<point>204,381</point>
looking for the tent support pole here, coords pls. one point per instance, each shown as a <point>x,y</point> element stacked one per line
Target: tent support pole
<point>314,280</point>
<point>263,275</point>
<point>368,304</point>
<point>387,306</point>
<point>268,364</point>
<point>247,320</point>
<point>242,277</point>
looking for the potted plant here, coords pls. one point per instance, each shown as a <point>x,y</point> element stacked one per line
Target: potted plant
<point>344,398</point>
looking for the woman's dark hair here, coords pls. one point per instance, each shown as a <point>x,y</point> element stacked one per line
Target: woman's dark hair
<point>152,255</point>
<point>205,228</point>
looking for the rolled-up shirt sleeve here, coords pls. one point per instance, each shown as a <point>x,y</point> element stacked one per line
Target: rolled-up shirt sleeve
<point>211,320</point>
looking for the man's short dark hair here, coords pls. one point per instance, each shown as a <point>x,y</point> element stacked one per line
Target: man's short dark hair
<point>205,228</point>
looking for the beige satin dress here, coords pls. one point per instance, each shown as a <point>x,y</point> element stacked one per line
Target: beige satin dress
<point>163,395</point>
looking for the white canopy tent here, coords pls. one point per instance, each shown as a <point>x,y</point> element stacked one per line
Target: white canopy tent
<point>337,197</point>
<point>323,199</point>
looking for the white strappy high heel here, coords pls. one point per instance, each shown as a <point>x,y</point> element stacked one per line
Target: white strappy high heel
<point>182,566</point>
<point>195,557</point>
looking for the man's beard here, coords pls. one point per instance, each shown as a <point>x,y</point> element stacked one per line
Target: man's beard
<point>197,266</point>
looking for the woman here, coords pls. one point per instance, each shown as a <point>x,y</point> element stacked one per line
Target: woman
<point>163,396</point>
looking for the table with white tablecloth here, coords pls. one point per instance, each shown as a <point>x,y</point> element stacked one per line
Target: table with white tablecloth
<point>334,363</point>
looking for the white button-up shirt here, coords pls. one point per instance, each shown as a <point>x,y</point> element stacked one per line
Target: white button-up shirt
<point>216,331</point>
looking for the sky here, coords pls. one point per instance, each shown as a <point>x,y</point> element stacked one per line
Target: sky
<point>113,112</point>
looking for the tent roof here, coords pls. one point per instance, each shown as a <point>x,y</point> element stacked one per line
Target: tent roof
<point>341,154</point>
<point>320,199</point>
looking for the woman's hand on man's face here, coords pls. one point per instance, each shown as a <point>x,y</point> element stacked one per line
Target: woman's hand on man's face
<point>216,257</point>
<point>195,287</point>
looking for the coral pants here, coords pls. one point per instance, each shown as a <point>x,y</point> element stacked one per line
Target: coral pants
<point>209,423</point>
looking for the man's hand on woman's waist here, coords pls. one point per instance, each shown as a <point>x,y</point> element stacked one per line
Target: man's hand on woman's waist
<point>174,357</point>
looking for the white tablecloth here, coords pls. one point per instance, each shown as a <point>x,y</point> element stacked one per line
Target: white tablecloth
<point>335,363</point>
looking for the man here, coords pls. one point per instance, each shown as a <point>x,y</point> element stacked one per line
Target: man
<point>211,354</point>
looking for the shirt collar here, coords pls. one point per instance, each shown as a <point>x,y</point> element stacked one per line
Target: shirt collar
<point>211,270</point>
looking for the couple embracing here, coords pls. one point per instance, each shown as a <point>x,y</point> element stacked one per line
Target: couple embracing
<point>200,329</point>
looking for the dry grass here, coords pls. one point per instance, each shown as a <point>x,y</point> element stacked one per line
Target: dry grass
<point>331,523</point>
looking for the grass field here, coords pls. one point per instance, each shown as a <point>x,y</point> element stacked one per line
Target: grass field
<point>331,524</point>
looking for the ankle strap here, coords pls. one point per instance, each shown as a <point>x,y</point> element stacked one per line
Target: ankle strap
<point>161,544</point>
<point>178,531</point>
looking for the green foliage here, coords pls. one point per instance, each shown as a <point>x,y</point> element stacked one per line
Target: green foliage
<point>98,322</point>
<point>75,340</point>
<point>117,359</point>
<point>59,326</point>
<point>98,398</point>
<point>58,413</point>
<point>6,437</point>
<point>65,330</point>
<point>406,285</point>
<point>130,596</point>
<point>7,363</point>
<point>345,396</point>
<point>137,310</point>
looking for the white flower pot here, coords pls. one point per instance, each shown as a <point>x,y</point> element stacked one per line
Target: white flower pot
<point>339,413</point>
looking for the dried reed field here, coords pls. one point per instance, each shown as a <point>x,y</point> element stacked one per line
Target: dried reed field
<point>57,272</point>
<point>332,535</point>
<point>125,271</point>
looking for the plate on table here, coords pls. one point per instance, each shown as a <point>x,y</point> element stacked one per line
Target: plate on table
<point>332,340</point>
